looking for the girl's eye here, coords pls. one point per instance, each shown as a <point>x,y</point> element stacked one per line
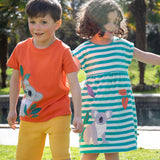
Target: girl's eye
<point>115,22</point>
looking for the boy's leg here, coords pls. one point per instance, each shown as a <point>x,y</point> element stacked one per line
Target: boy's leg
<point>59,137</point>
<point>90,156</point>
<point>31,141</point>
<point>111,156</point>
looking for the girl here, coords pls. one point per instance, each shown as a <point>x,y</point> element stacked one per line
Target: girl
<point>108,106</point>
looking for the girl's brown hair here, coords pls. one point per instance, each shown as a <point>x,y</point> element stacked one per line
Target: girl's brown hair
<point>93,16</point>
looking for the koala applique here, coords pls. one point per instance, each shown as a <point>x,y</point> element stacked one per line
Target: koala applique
<point>31,95</point>
<point>98,128</point>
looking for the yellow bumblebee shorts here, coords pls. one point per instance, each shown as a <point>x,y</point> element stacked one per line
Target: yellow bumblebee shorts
<point>32,136</point>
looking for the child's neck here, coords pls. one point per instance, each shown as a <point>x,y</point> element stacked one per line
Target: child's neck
<point>101,40</point>
<point>43,44</point>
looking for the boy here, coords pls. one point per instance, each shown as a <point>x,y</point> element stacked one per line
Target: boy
<point>42,64</point>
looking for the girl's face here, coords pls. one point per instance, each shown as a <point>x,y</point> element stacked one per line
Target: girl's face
<point>112,26</point>
<point>43,30</point>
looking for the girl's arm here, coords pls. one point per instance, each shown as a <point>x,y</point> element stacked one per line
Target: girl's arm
<point>14,94</point>
<point>146,57</point>
<point>76,98</point>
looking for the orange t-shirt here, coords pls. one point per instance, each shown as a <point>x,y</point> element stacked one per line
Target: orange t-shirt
<point>43,74</point>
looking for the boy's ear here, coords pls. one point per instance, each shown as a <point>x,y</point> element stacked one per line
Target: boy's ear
<point>58,24</point>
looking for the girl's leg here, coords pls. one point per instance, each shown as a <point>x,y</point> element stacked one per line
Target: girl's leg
<point>111,156</point>
<point>31,141</point>
<point>59,137</point>
<point>90,156</point>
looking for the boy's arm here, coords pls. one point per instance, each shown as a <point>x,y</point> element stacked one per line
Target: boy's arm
<point>76,98</point>
<point>77,62</point>
<point>14,94</point>
<point>146,57</point>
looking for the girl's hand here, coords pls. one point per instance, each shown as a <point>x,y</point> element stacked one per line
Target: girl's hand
<point>78,124</point>
<point>12,116</point>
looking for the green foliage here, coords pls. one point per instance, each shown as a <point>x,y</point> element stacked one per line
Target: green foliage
<point>154,17</point>
<point>157,74</point>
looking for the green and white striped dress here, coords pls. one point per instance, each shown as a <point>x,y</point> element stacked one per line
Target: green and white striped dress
<point>108,106</point>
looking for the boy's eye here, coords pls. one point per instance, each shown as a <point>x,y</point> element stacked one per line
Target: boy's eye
<point>32,22</point>
<point>44,22</point>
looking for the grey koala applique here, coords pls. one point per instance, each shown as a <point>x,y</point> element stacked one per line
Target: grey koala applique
<point>31,95</point>
<point>98,128</point>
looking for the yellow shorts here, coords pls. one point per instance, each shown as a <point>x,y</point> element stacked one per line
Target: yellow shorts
<point>32,137</point>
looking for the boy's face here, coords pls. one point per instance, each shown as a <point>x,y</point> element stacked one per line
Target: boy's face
<point>43,30</point>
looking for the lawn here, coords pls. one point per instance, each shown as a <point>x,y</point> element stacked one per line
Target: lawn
<point>149,78</point>
<point>8,153</point>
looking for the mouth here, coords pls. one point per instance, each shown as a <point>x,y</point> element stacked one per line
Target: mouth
<point>38,34</point>
<point>109,31</point>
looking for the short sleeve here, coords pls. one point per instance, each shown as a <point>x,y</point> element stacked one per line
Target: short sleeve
<point>130,47</point>
<point>68,62</point>
<point>13,60</point>
<point>80,52</point>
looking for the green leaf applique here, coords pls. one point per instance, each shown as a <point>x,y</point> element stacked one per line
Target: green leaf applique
<point>21,70</point>
<point>35,111</point>
<point>33,107</point>
<point>86,118</point>
<point>27,76</point>
<point>34,116</point>
<point>25,109</point>
<point>85,122</point>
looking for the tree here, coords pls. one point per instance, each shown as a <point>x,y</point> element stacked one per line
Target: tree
<point>67,32</point>
<point>144,12</point>
<point>10,17</point>
<point>3,41</point>
<point>139,11</point>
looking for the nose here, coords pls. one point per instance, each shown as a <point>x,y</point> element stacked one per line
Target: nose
<point>112,25</point>
<point>101,120</point>
<point>37,26</point>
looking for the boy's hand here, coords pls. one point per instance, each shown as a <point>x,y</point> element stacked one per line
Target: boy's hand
<point>78,124</point>
<point>12,116</point>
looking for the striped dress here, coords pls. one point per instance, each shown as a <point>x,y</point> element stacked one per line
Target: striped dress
<point>108,106</point>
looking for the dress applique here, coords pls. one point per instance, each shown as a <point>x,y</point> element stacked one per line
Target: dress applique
<point>97,129</point>
<point>123,92</point>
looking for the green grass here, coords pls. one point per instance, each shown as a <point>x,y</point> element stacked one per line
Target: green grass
<point>8,153</point>
<point>149,78</point>
<point>4,91</point>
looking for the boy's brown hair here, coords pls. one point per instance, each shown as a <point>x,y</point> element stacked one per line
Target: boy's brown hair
<point>40,8</point>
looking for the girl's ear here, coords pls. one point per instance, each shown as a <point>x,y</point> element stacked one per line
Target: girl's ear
<point>58,24</point>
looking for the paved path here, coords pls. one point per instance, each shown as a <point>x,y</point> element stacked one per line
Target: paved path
<point>148,138</point>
